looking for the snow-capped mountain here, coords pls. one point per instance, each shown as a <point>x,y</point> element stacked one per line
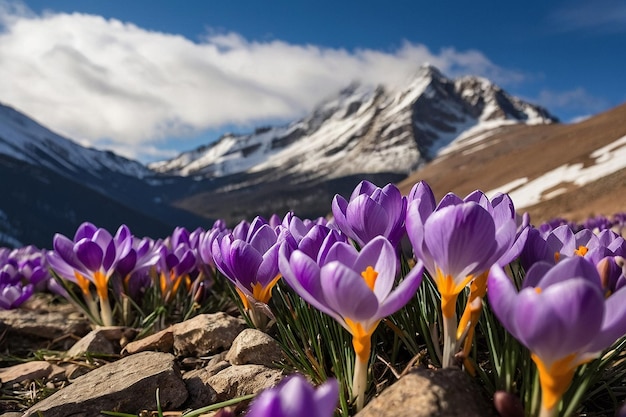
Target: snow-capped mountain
<point>363,130</point>
<point>51,184</point>
<point>24,139</point>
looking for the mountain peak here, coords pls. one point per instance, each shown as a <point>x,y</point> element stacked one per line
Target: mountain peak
<point>365,129</point>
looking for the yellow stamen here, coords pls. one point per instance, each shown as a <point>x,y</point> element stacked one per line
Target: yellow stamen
<point>581,251</point>
<point>361,339</point>
<point>538,290</point>
<point>556,380</point>
<point>101,281</point>
<point>244,299</point>
<point>370,275</point>
<point>82,282</point>
<point>471,314</point>
<point>557,256</point>
<point>449,290</point>
<point>263,294</point>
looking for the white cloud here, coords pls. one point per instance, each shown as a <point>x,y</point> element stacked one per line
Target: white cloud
<point>107,82</point>
<point>602,16</point>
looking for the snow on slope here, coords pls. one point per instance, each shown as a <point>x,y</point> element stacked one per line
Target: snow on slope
<point>365,130</point>
<point>608,159</point>
<point>24,139</point>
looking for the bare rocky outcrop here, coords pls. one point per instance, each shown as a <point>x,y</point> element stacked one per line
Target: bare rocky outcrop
<point>430,393</point>
<point>253,346</point>
<point>128,385</point>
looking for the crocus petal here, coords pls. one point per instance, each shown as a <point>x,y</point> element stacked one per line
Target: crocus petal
<point>449,199</point>
<point>613,325</point>
<point>298,397</point>
<point>571,267</point>
<point>85,230</point>
<point>460,239</point>
<point>244,262</point>
<point>263,239</point>
<point>367,219</point>
<point>90,254</point>
<point>346,293</point>
<point>560,320</point>
<point>380,254</point>
<point>268,269</point>
<point>268,403</point>
<point>502,298</point>
<point>339,208</point>
<point>342,252</point>
<point>303,276</point>
<point>326,397</point>
<point>401,295</point>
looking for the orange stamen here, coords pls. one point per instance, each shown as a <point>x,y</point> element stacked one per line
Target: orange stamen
<point>370,275</point>
<point>449,291</point>
<point>361,339</point>
<point>263,294</point>
<point>101,281</point>
<point>581,251</point>
<point>82,282</point>
<point>556,380</point>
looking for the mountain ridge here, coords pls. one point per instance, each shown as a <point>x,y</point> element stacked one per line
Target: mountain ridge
<point>386,130</point>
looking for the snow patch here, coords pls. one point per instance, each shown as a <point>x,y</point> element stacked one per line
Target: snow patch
<point>608,159</point>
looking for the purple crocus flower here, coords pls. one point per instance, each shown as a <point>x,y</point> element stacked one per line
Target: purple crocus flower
<point>294,396</point>
<point>250,262</point>
<point>561,315</point>
<point>13,289</point>
<point>355,288</point>
<point>174,266</point>
<point>134,268</point>
<point>91,258</point>
<point>458,240</point>
<point>372,211</point>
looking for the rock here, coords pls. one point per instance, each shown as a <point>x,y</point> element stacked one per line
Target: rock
<point>215,367</point>
<point>206,334</point>
<point>128,385</point>
<point>162,341</point>
<point>200,392</point>
<point>252,346</point>
<point>238,380</point>
<point>44,324</point>
<point>118,334</point>
<point>94,342</point>
<point>430,393</point>
<point>27,371</point>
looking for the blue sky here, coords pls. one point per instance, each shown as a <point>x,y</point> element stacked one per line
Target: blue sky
<point>149,79</point>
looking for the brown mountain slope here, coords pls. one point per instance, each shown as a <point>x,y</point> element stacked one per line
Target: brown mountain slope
<point>515,152</point>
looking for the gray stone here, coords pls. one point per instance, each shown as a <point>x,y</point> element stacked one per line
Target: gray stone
<point>206,334</point>
<point>201,393</point>
<point>252,346</point>
<point>430,393</point>
<point>44,324</point>
<point>128,385</point>
<point>27,371</point>
<point>94,342</point>
<point>238,380</point>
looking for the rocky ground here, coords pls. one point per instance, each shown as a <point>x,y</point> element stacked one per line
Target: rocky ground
<point>52,363</point>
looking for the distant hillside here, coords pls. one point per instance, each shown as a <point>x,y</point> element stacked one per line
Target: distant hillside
<point>566,170</point>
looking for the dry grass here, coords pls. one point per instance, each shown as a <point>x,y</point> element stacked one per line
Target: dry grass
<point>529,151</point>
